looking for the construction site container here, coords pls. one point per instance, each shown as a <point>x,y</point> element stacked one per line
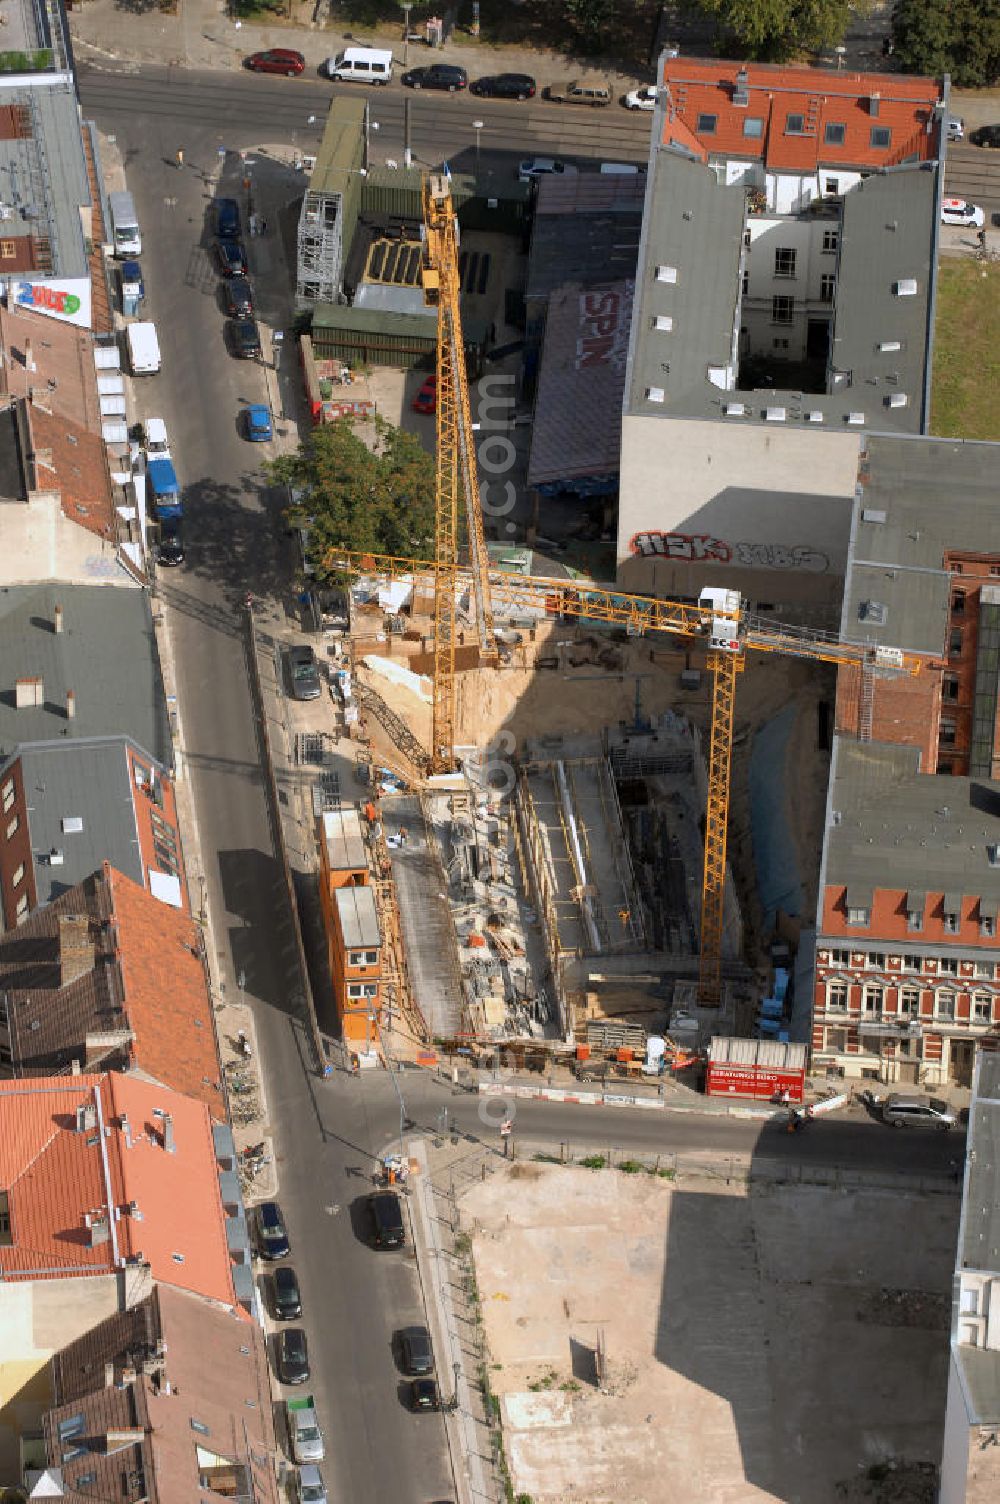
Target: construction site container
<point>755,1069</point>
<point>583,1052</point>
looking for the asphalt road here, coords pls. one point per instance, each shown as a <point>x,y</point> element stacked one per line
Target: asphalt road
<point>326,1133</point>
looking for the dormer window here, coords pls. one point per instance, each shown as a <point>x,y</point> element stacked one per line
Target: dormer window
<point>915,905</point>
<point>952,913</point>
<point>706,125</point>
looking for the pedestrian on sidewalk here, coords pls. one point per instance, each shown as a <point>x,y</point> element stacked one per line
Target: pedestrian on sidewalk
<point>180,156</point>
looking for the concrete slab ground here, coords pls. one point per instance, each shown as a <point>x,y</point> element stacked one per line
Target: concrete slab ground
<point>787,1344</point>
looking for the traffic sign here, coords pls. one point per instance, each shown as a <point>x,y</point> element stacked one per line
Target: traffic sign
<point>506,1128</point>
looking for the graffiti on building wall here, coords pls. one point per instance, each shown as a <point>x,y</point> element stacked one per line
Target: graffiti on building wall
<point>703,547</point>
<point>605,318</point>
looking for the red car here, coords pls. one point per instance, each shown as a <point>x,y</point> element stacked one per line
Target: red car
<point>426,400</point>
<point>277,60</point>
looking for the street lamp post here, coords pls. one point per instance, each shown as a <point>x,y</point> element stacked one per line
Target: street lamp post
<point>406,30</point>
<point>477,126</point>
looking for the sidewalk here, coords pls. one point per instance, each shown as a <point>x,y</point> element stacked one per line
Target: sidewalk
<point>201,35</point>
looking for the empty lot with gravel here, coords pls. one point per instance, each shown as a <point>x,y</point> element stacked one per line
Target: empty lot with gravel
<point>698,1342</point>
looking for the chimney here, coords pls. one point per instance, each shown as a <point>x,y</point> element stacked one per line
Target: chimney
<point>57,624</point>
<point>29,358</point>
<point>76,949</point>
<point>109,1375</point>
<point>70,704</point>
<point>874,103</point>
<point>168,1134</point>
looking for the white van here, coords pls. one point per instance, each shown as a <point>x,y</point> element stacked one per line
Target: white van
<point>363,65</point>
<point>124,225</point>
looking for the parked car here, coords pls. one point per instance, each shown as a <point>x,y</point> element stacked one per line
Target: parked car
<point>232,258</point>
<point>170,545</point>
<point>986,135</point>
<point>239,297</point>
<point>916,1112</point>
<point>426,399</point>
<point>285,1291</point>
<point>415,1351</point>
<point>272,1239</point>
<point>437,76</point>
<point>244,338</point>
<point>538,167</point>
<point>303,673</point>
<point>227,219</point>
<point>504,86</point>
<point>259,426</point>
<point>954,128</point>
<point>958,211</point>
<point>276,60</point>
<point>640,99</point>
<point>153,437</point>
<point>595,92</point>
<point>293,1355</point>
<point>386,1216</point>
<point>424,1395</point>
<point>309,1485</point>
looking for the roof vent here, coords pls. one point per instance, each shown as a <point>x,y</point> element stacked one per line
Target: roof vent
<point>897,399</point>
<point>906,287</point>
<point>661,321</point>
<point>856,420</point>
<point>56,857</point>
<point>666,274</point>
<point>873,611</point>
<point>993,855</point>
<point>775,414</point>
<point>655,394</point>
<point>814,415</point>
<point>72,824</point>
<point>887,346</point>
<point>734,409</point>
<point>869,514</point>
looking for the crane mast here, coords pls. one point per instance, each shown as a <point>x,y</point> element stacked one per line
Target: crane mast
<point>455,468</point>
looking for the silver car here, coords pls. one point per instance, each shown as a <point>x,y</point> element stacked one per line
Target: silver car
<point>303,673</point>
<point>917,1112</point>
<point>309,1485</point>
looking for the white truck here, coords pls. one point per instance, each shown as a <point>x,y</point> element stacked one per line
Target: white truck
<point>143,349</point>
<point>304,1435</point>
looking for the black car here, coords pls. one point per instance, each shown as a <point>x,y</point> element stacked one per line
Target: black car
<point>386,1220</point>
<point>437,76</point>
<point>245,339</point>
<point>227,219</point>
<point>232,258</point>
<point>504,86</point>
<point>239,297</point>
<point>424,1395</point>
<point>415,1351</point>
<point>287,1299</point>
<point>272,1239</point>
<point>170,547</point>
<point>986,135</point>
<point>293,1355</point>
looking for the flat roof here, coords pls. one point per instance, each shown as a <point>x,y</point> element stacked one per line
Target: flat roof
<point>586,228</point>
<point>918,499</point>
<point>893,826</point>
<point>358,917</point>
<point>43,175</point>
<point>342,147</point>
<point>106,654</point>
<point>690,265</point>
<point>577,428</point>
<point>345,846</point>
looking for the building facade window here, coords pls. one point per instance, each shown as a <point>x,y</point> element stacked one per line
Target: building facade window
<point>831,241</point>
<point>881,137</point>
<point>12,825</point>
<point>8,795</point>
<point>784,262</point>
<point>944,1005</point>
<point>871,1002</point>
<point>909,1002</point>
<point>859,917</point>
<point>782,310</point>
<point>836,1039</point>
<point>795,125</point>
<point>835,133</point>
<point>950,685</point>
<point>948,966</point>
<point>840,958</point>
<point>836,997</point>
<point>982,1007</point>
<point>706,125</point>
<point>827,287</point>
<point>875,960</point>
<point>753,126</point>
<point>18,877</point>
<point>984,969</point>
<point>912,963</point>
<point>955,642</point>
<point>947,732</point>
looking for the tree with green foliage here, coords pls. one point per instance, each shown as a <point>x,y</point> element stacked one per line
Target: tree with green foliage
<point>960,37</point>
<point>379,499</point>
<point>591,22</point>
<point>771,31</point>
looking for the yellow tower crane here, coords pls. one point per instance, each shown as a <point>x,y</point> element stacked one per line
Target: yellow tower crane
<point>729,631</point>
<point>456,467</point>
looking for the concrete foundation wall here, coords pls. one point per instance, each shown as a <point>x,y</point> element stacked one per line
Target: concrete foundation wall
<point>713,502</point>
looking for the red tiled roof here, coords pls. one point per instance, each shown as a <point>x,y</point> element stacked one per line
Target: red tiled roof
<point>698,87</point>
<point>55,1177</point>
<point>165,993</point>
<point>73,461</point>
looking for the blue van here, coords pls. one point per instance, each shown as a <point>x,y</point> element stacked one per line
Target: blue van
<point>164,490</point>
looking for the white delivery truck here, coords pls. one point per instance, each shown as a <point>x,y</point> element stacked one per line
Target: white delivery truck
<point>143,349</point>
<point>124,225</point>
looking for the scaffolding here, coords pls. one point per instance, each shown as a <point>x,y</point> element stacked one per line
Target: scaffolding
<point>320,248</point>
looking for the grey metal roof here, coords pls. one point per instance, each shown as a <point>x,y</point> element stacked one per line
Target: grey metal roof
<point>89,782</point>
<point>358,919</point>
<point>585,229</point>
<point>345,847</point>
<point>694,224</point>
<point>106,654</point>
<point>918,497</point>
<point>578,407</point>
<point>43,175</point>
<point>893,824</point>
<point>981,1372</point>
